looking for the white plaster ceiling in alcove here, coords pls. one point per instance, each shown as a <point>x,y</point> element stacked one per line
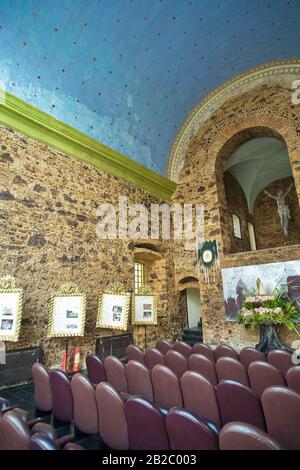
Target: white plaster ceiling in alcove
<point>258,163</point>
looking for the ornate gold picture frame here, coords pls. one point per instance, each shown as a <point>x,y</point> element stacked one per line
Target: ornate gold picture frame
<point>113,308</point>
<point>11,305</point>
<point>67,312</point>
<point>144,308</point>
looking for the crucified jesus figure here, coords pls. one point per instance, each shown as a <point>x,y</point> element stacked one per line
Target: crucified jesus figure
<point>282,208</point>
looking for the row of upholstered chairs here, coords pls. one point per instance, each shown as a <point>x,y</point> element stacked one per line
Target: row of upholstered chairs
<point>280,359</point>
<point>178,430</point>
<point>253,372</point>
<point>231,402</point>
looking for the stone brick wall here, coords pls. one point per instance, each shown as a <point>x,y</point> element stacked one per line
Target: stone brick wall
<point>48,236</point>
<point>262,111</point>
<point>268,230</point>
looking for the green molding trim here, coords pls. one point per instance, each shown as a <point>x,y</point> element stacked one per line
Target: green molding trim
<point>25,118</point>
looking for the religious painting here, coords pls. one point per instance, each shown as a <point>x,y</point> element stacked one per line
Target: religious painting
<point>10,309</point>
<point>67,315</point>
<point>144,310</point>
<point>239,281</point>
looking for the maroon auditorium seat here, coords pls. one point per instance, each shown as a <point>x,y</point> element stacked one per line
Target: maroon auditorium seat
<point>188,432</point>
<point>282,360</point>
<point>241,436</point>
<point>115,374</point>
<point>85,406</point>
<point>134,353</point>
<point>176,362</point>
<point>95,369</point>
<point>239,403</point>
<point>203,366</point>
<point>112,418</point>
<point>199,397</point>
<point>293,378</point>
<point>62,398</point>
<point>224,350</point>
<point>146,425</point>
<point>152,357</point>
<point>166,387</point>
<point>281,407</point>
<point>249,355</point>
<point>231,369</point>
<point>183,348</point>
<point>139,380</point>
<point>262,375</point>
<point>42,389</point>
<point>204,350</point>
<point>163,345</point>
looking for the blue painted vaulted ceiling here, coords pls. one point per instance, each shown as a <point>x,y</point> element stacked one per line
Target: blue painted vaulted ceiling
<point>128,72</point>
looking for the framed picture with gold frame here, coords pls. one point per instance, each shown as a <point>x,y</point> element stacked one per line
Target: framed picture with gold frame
<point>144,309</point>
<point>113,309</point>
<point>67,312</point>
<point>11,304</point>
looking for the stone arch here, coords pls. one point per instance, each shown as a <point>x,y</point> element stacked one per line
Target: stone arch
<point>249,129</point>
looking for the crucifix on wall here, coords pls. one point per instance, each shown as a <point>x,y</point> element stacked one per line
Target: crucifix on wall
<point>282,208</point>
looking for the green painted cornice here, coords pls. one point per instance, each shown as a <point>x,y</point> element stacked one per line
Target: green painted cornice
<point>27,119</point>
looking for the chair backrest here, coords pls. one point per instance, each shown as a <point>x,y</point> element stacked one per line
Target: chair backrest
<point>113,427</point>
<point>14,432</point>
<point>183,348</point>
<point>134,353</point>
<point>42,390</point>
<point>282,360</point>
<point>281,407</point>
<point>115,374</point>
<point>249,355</point>
<point>262,375</point>
<point>62,399</point>
<point>241,436</point>
<point>293,378</point>
<point>204,350</point>
<point>152,357</point>
<point>163,345</point>
<point>176,361</point>
<point>199,397</point>
<point>187,432</point>
<point>40,441</point>
<point>95,369</point>
<point>231,369</point>
<point>239,403</point>
<point>224,350</point>
<point>146,425</point>
<point>85,406</point>
<point>166,387</point>
<point>139,380</point>
<point>205,367</point>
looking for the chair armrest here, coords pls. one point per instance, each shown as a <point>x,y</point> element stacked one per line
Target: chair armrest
<point>62,441</point>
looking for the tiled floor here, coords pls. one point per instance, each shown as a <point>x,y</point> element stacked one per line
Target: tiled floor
<point>22,396</point>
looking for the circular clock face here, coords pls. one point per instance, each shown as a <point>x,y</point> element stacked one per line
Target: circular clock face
<point>207,256</point>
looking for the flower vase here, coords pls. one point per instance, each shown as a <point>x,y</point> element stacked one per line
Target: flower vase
<point>269,339</point>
